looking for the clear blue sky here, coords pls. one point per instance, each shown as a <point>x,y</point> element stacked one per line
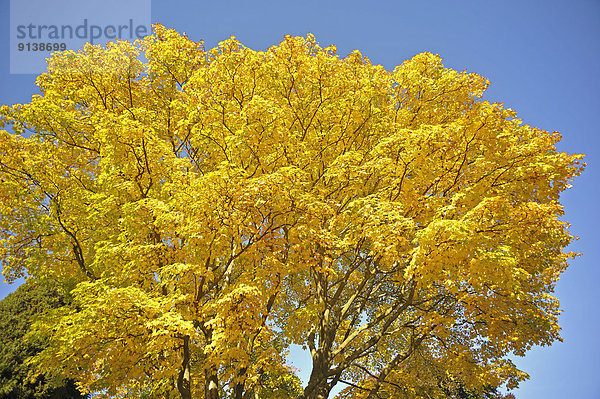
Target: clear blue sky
<point>543,60</point>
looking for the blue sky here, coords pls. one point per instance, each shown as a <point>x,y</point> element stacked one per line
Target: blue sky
<point>543,60</point>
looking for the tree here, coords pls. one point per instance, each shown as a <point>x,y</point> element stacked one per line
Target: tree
<point>16,312</point>
<point>212,207</point>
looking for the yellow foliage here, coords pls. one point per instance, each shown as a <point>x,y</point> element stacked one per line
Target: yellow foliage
<point>210,207</point>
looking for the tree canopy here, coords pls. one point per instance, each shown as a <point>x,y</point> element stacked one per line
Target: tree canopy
<point>18,380</point>
<point>207,209</point>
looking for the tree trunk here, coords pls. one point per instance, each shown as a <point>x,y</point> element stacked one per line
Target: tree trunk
<point>211,385</point>
<point>239,387</point>
<point>211,378</point>
<point>317,387</point>
<point>317,390</point>
<point>184,379</point>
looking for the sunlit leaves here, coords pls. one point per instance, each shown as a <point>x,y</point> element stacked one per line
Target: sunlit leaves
<point>210,207</point>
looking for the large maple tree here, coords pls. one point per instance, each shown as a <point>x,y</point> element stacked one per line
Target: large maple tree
<point>206,209</point>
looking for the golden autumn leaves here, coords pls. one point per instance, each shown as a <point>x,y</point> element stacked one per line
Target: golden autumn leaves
<point>208,208</point>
